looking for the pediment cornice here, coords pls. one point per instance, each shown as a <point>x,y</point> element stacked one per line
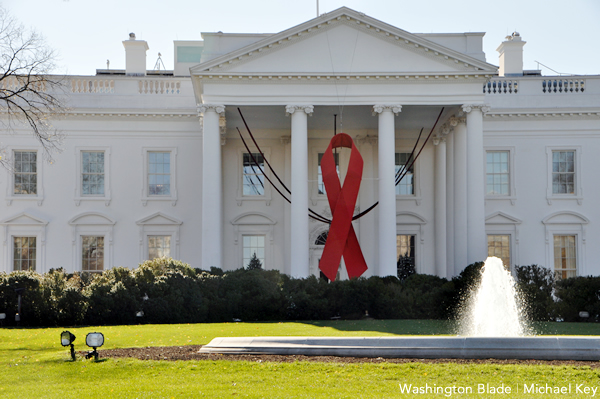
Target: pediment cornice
<point>455,61</point>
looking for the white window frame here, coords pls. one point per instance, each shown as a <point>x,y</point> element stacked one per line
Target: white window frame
<point>500,223</point>
<point>158,224</point>
<point>512,187</point>
<point>416,195</point>
<point>240,197</point>
<point>24,225</point>
<point>254,223</point>
<point>567,223</point>
<point>578,196</point>
<point>410,223</point>
<point>91,224</point>
<point>172,197</point>
<point>10,189</point>
<point>79,196</point>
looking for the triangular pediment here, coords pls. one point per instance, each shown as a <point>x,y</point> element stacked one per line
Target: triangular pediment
<point>343,42</point>
<point>501,218</point>
<point>23,219</point>
<point>158,218</point>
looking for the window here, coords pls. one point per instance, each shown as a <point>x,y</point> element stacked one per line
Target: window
<point>497,173</point>
<point>499,246</point>
<point>253,245</point>
<point>25,173</point>
<point>24,253</point>
<point>92,251</point>
<point>159,247</point>
<point>253,179</point>
<point>322,238</point>
<point>405,187</point>
<point>92,173</point>
<point>320,183</point>
<point>563,172</point>
<point>159,173</point>
<point>405,249</point>
<point>565,256</point>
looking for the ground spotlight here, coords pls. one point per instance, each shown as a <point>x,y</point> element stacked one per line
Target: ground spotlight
<point>66,339</point>
<point>94,340</point>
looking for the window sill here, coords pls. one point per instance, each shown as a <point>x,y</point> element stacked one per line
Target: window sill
<point>266,198</point>
<point>91,198</point>
<point>11,198</point>
<point>571,197</point>
<point>409,198</point>
<point>172,199</point>
<point>510,198</point>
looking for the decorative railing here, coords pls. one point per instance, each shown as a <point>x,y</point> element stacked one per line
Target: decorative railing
<point>563,85</point>
<point>14,83</point>
<point>159,87</point>
<point>501,87</point>
<point>92,85</point>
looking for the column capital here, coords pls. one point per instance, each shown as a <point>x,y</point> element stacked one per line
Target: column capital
<point>218,108</point>
<point>439,139</point>
<point>379,108</point>
<point>455,120</point>
<point>470,107</point>
<point>307,109</point>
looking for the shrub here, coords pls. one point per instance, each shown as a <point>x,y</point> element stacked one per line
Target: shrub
<point>578,294</point>
<point>535,285</point>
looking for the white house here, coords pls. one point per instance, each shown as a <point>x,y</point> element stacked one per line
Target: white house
<point>152,162</point>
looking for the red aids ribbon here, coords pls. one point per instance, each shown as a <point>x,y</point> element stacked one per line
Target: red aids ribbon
<point>341,240</point>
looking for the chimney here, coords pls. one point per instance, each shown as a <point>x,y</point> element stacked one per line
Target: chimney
<point>511,55</point>
<point>135,56</point>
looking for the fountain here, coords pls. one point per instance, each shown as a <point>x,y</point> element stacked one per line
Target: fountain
<point>492,326</point>
<point>494,308</point>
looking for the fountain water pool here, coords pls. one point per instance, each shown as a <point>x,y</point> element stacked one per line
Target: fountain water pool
<point>492,322</point>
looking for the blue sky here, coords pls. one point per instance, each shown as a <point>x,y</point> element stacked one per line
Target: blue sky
<point>562,35</point>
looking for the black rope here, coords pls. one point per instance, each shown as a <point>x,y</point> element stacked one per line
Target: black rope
<point>412,154</point>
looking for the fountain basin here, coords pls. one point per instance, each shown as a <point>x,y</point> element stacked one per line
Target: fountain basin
<point>431,347</point>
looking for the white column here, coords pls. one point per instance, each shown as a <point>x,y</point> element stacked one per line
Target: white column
<point>367,197</point>
<point>450,203</point>
<point>387,189</point>
<point>460,196</point>
<point>299,250</point>
<point>285,141</point>
<point>212,186</point>
<point>477,241</point>
<point>440,205</point>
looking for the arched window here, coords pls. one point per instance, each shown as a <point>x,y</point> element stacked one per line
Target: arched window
<point>322,238</point>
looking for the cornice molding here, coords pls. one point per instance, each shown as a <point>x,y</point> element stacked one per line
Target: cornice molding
<point>542,114</point>
<point>129,114</point>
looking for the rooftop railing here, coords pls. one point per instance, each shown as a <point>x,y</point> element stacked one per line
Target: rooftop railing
<point>537,85</point>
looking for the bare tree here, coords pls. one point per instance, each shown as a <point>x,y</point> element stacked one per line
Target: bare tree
<point>28,93</point>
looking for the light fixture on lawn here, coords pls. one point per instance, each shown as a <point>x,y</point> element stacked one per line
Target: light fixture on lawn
<point>94,340</point>
<point>66,339</point>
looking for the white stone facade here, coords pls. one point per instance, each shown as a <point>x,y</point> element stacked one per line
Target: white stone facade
<point>171,174</point>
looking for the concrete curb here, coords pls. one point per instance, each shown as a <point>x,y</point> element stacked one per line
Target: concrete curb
<point>535,348</point>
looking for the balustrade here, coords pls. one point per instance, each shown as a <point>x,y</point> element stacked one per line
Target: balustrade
<point>91,85</point>
<point>501,87</point>
<point>159,87</point>
<point>563,85</point>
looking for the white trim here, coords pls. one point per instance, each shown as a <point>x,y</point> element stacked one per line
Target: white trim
<point>567,223</point>
<point>91,224</point>
<point>24,225</point>
<point>78,173</point>
<point>413,225</point>
<point>578,196</point>
<point>500,223</point>
<point>153,226</point>
<point>261,225</point>
<point>512,187</point>
<point>10,195</point>
<point>240,197</point>
<point>416,196</point>
<point>172,197</point>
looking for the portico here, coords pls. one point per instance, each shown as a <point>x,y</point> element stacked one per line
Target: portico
<point>384,85</point>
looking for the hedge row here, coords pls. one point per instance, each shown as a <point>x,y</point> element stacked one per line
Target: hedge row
<point>169,291</point>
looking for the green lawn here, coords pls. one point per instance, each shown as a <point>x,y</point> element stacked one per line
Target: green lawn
<point>33,364</point>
